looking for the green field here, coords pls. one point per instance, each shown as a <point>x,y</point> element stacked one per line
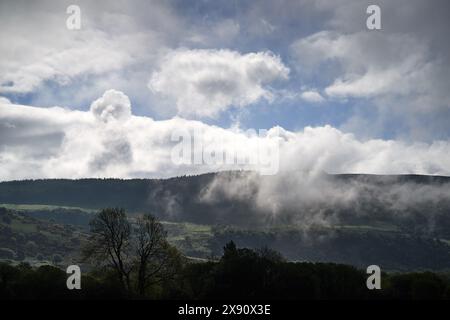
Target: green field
<point>34,207</point>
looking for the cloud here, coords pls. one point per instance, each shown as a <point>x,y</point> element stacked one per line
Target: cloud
<point>312,96</point>
<point>105,141</point>
<point>4,100</point>
<point>50,65</point>
<point>369,64</point>
<point>113,105</point>
<point>397,75</point>
<point>61,143</point>
<point>117,152</point>
<point>314,198</point>
<point>91,54</point>
<point>205,83</point>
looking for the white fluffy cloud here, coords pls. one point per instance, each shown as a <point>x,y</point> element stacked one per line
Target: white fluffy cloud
<point>113,105</point>
<point>206,82</point>
<point>331,150</point>
<point>56,142</point>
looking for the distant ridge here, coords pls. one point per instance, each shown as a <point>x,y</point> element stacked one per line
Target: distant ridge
<point>177,198</point>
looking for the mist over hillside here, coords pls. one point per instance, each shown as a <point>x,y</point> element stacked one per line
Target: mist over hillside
<point>415,203</point>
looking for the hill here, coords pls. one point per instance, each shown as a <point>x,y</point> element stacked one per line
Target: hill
<point>399,222</point>
<point>419,204</point>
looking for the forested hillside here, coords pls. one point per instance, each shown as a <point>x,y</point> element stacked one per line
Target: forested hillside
<point>401,222</point>
<point>413,203</point>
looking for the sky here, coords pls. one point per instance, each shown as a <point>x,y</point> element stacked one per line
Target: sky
<point>107,100</point>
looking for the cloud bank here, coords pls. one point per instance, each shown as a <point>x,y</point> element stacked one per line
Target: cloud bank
<point>108,141</point>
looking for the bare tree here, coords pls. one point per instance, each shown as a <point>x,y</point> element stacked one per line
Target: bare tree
<point>139,252</point>
<point>110,243</point>
<point>156,258</point>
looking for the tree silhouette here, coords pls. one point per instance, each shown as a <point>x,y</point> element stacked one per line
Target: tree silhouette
<point>138,252</point>
<point>156,258</point>
<point>109,243</point>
